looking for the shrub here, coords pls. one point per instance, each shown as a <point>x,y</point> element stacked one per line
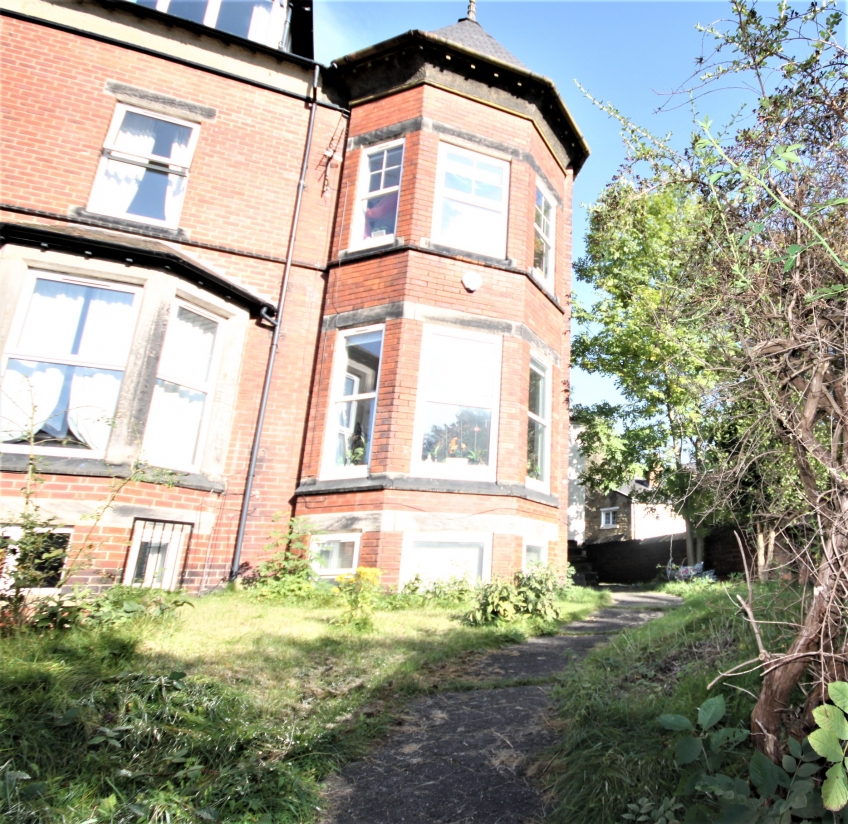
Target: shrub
<point>359,594</point>
<point>288,574</point>
<point>531,593</point>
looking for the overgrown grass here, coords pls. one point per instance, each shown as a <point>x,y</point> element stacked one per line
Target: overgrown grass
<point>234,710</point>
<point>612,750</point>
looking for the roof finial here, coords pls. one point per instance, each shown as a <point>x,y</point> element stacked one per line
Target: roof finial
<point>472,10</point>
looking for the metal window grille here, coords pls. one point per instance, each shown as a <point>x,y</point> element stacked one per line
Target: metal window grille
<point>157,548</point>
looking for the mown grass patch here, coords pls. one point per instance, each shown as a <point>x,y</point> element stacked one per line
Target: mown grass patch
<point>612,750</point>
<point>234,710</point>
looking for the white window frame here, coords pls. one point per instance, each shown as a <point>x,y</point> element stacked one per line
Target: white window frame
<point>207,387</point>
<point>357,241</point>
<point>111,152</point>
<point>12,352</point>
<point>543,367</point>
<point>612,512</point>
<point>174,561</point>
<point>431,469</point>
<point>341,537</point>
<point>405,573</point>
<point>499,250</point>
<point>543,545</point>
<point>213,8</point>
<point>330,470</point>
<point>547,276</point>
<point>13,531</point>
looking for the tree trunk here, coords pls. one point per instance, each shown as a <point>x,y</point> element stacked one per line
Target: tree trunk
<point>772,536</point>
<point>690,543</point>
<point>699,549</point>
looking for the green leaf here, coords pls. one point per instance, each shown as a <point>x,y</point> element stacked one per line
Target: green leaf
<point>808,769</point>
<point>838,690</point>
<point>831,718</point>
<point>835,788</point>
<point>711,712</point>
<point>763,774</point>
<point>789,764</point>
<point>687,750</point>
<point>738,814</point>
<point>698,814</point>
<point>826,744</point>
<point>779,164</point>
<point>794,748</point>
<point>678,723</point>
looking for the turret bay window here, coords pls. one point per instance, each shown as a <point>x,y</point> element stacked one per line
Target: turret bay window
<point>538,426</point>
<point>184,380</point>
<point>439,556</point>
<point>65,365</point>
<point>260,20</point>
<point>472,199</point>
<point>543,235</point>
<point>458,399</point>
<point>355,382</point>
<point>144,169</point>
<point>375,220</point>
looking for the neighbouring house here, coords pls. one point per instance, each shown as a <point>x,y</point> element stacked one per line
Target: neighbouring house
<point>184,191</point>
<point>618,516</point>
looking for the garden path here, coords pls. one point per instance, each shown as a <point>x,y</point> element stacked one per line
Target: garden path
<point>470,757</point>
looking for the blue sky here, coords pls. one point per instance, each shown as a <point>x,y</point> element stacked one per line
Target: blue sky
<point>629,53</point>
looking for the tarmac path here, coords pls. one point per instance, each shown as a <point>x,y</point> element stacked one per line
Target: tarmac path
<point>468,757</point>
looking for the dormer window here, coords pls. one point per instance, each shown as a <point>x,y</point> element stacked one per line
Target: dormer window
<point>375,220</point>
<point>258,20</point>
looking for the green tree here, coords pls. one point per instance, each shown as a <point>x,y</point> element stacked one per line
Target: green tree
<point>640,247</point>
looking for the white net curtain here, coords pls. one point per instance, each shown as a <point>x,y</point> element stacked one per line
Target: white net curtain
<point>63,385</point>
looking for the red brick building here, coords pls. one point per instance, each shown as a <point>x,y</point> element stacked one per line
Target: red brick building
<point>172,170</point>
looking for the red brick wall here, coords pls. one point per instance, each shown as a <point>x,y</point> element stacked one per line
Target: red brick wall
<point>240,194</point>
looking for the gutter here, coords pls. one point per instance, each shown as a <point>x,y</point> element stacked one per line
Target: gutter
<point>191,64</point>
<point>275,338</point>
<point>153,255</point>
<point>387,45</point>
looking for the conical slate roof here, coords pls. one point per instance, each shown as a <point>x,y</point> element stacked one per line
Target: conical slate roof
<point>472,35</point>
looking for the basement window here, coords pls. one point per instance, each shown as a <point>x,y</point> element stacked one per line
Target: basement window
<point>156,552</point>
<point>335,554</point>
<point>143,172</point>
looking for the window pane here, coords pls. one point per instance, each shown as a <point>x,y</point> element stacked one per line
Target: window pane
<point>68,319</point>
<point>532,555</point>
<point>375,162</point>
<point>187,353</point>
<point>173,425</point>
<point>336,554</point>
<point>127,189</point>
<point>458,434</point>
<point>363,361</point>
<point>440,560</point>
<point>535,450</point>
<point>189,9</point>
<point>541,254</point>
<point>62,405</point>
<point>474,228</point>
<point>144,136</point>
<point>245,18</point>
<point>391,177</point>
<point>394,156</point>
<point>461,371</point>
<point>380,215</point>
<point>536,402</point>
<point>457,182</point>
<point>355,419</point>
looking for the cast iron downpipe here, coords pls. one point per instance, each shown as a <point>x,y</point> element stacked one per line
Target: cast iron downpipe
<point>275,339</point>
